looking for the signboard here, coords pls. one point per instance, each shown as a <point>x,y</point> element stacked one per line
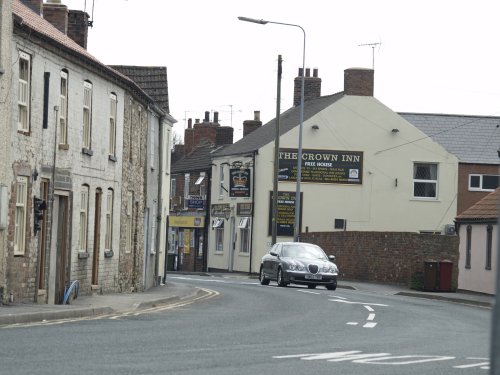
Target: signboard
<point>322,166</point>
<point>286,213</point>
<point>239,182</point>
<point>186,221</point>
<point>244,209</point>
<point>195,201</point>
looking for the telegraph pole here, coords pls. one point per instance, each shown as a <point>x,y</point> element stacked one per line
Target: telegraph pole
<point>274,219</point>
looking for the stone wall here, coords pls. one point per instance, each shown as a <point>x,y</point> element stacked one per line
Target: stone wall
<point>386,257</point>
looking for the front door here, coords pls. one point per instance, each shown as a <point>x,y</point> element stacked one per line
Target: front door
<point>97,238</point>
<point>62,258</point>
<point>232,243</point>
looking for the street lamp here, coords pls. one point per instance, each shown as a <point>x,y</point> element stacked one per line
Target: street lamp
<point>296,229</point>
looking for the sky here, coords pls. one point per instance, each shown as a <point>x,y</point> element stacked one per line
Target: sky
<point>429,56</point>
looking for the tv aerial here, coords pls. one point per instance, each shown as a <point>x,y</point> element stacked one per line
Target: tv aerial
<point>372,45</point>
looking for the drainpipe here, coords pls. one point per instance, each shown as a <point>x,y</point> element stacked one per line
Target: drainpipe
<point>253,214</point>
<point>159,211</point>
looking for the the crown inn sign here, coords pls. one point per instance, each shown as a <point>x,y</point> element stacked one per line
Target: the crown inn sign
<point>239,182</point>
<point>322,166</point>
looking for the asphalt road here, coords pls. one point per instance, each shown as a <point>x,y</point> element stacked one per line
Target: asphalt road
<point>246,328</point>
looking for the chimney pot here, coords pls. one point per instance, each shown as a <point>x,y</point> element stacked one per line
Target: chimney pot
<point>315,72</point>
<point>301,72</point>
<point>207,116</point>
<point>308,72</point>
<point>190,123</point>
<point>256,115</point>
<point>216,117</point>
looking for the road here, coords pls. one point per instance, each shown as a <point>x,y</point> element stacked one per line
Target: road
<point>241,327</point>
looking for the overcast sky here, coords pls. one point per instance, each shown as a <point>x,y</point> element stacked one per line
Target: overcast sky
<point>434,56</point>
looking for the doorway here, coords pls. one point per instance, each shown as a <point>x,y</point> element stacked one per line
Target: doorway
<point>59,259</point>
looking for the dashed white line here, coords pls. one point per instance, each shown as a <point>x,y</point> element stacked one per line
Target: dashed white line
<point>369,325</point>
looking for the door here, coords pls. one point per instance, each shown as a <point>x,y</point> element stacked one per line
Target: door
<point>97,238</point>
<point>62,258</point>
<point>232,243</point>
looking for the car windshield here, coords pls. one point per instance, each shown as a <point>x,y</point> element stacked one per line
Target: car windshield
<point>303,251</point>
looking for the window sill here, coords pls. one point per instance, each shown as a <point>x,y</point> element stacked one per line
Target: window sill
<point>63,146</point>
<point>83,255</point>
<point>108,254</point>
<point>87,151</point>
<point>23,132</point>
<point>112,158</point>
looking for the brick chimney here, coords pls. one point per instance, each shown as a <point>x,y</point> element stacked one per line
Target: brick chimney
<point>78,27</point>
<point>250,125</point>
<point>57,14</point>
<point>34,5</point>
<point>358,81</point>
<point>206,130</point>
<point>312,86</point>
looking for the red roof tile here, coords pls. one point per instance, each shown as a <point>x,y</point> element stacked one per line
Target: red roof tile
<point>486,208</point>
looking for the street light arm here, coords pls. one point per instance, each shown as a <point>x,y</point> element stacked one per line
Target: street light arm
<point>254,20</point>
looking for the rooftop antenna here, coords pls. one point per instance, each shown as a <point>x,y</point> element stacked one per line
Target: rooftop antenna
<point>373,45</point>
<point>91,22</point>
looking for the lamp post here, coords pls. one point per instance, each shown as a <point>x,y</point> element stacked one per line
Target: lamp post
<point>296,228</point>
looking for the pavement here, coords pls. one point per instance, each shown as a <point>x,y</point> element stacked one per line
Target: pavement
<point>173,292</point>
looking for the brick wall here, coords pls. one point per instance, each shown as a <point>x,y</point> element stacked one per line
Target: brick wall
<point>358,82</point>
<point>386,257</point>
<point>465,197</point>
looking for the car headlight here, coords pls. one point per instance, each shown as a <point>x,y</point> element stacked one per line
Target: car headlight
<point>330,268</point>
<point>295,267</point>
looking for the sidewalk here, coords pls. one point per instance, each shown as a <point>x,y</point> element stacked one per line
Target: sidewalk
<point>87,306</point>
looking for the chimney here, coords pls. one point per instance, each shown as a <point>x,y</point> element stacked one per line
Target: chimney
<point>312,86</point>
<point>250,125</point>
<point>190,123</point>
<point>207,117</point>
<point>57,14</point>
<point>35,5</point>
<point>358,81</point>
<point>78,27</point>
<point>216,117</point>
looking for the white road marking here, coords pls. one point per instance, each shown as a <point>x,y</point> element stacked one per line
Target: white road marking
<point>307,291</point>
<point>371,316</point>
<point>482,365</point>
<point>339,297</point>
<point>352,323</point>
<point>369,325</point>
<point>389,360</point>
<point>358,303</point>
<point>369,308</point>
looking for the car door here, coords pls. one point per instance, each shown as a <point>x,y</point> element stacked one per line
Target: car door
<point>268,261</point>
<point>274,260</point>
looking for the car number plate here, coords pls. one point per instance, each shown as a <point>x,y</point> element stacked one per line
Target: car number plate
<point>313,277</point>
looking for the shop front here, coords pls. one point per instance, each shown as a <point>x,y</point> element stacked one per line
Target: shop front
<point>186,244</point>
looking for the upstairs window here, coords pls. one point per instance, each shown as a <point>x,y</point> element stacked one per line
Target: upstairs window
<point>63,109</point>
<point>425,180</point>
<point>24,95</point>
<point>87,113</point>
<point>112,124</point>
<point>483,182</point>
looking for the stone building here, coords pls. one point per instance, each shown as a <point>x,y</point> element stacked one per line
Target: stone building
<point>75,168</point>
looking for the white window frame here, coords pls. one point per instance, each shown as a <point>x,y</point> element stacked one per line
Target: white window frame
<point>83,228</point>
<point>108,242</point>
<point>429,181</point>
<point>112,123</point>
<point>21,215</point>
<point>24,94</point>
<point>199,182</point>
<point>244,226</point>
<point>481,183</point>
<point>87,114</point>
<point>221,181</point>
<point>218,226</point>
<point>63,109</point>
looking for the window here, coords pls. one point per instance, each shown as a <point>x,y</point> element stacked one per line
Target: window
<point>63,109</point>
<point>24,95</point>
<point>425,180</point>
<point>244,226</point>
<point>187,181</point>
<point>130,202</point>
<point>173,187</point>
<point>108,242</point>
<point>221,181</point>
<point>112,124</point>
<point>218,225</point>
<point>489,243</point>
<point>87,113</point>
<point>21,209</point>
<point>199,182</point>
<point>468,246</point>
<point>84,206</point>
<point>483,182</point>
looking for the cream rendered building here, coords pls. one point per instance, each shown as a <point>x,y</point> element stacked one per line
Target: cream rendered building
<point>368,170</point>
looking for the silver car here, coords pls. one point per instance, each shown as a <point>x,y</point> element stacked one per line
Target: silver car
<point>298,263</point>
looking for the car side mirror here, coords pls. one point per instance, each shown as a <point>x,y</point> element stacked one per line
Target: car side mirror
<point>273,253</point>
<point>331,257</point>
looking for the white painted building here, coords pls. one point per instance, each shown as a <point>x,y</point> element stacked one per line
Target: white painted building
<point>364,168</point>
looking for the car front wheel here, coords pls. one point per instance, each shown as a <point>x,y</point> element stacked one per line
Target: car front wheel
<point>332,286</point>
<point>262,278</point>
<point>280,278</point>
